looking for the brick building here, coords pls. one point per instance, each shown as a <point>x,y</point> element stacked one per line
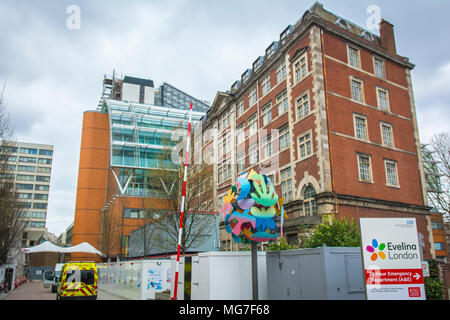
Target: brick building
<point>328,114</point>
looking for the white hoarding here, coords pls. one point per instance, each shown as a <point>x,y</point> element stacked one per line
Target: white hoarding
<point>392,259</point>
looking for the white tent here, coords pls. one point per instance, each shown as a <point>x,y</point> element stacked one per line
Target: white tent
<point>84,247</point>
<point>46,246</point>
<point>50,247</point>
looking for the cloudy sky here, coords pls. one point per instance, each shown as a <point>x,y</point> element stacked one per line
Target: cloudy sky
<point>54,73</point>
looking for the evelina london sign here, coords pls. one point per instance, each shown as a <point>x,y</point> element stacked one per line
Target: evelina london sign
<point>392,251</point>
<point>392,268</point>
<point>404,253</point>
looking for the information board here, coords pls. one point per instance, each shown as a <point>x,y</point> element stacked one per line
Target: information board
<point>391,258</point>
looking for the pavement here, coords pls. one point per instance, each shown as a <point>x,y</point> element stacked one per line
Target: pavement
<point>34,290</point>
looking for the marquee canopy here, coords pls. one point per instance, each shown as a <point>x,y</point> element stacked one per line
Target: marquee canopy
<point>47,246</point>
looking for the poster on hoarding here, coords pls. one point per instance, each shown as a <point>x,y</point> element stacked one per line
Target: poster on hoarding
<point>391,259</point>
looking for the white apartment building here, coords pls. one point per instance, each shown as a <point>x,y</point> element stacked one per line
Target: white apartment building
<point>30,165</point>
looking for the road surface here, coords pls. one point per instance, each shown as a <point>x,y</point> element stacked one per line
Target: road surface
<point>35,291</point>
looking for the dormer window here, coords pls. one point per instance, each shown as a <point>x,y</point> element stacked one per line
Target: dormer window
<point>236,85</point>
<point>270,51</point>
<point>368,36</point>
<point>285,34</point>
<point>257,64</point>
<point>343,24</point>
<point>246,75</point>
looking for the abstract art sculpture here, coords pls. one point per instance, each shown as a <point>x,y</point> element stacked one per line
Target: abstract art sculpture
<point>252,208</point>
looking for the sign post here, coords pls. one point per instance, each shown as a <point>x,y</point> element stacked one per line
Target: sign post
<point>391,259</point>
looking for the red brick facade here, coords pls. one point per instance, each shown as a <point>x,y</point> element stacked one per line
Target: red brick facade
<point>328,162</point>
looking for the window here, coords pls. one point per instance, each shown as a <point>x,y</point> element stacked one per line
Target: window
<point>353,57</point>
<point>225,145</point>
<point>240,109</point>
<point>253,153</point>
<point>267,146</point>
<point>305,147</point>
<point>309,202</point>
<point>285,140</point>
<point>7,149</point>
<point>303,106</point>
<point>360,123</point>
<point>383,99</point>
<point>224,172</point>
<point>365,169</point>
<point>36,224</point>
<point>27,159</point>
<point>379,68</point>
<point>240,134</point>
<point>39,187</point>
<point>43,178</point>
<point>439,246</point>
<point>38,215</point>
<point>252,97</point>
<point>253,125</point>
<point>24,195</point>
<point>39,206</point>
<point>44,161</point>
<point>25,214</point>
<point>386,135</point>
<point>28,151</point>
<point>23,205</point>
<point>300,68</point>
<point>292,239</point>
<point>26,168</point>
<point>282,103</point>
<point>286,184</point>
<point>357,90</point>
<point>391,173</point>
<point>40,196</point>
<point>435,225</point>
<point>266,114</point>
<point>43,170</point>
<point>281,72</point>
<point>240,161</point>
<point>43,152</point>
<point>265,85</point>
<point>24,177</point>
<point>23,186</point>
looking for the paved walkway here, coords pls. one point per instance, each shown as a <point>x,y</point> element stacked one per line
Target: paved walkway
<point>31,291</point>
<point>35,291</point>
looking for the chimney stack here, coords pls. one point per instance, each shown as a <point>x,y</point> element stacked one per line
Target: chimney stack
<point>387,36</point>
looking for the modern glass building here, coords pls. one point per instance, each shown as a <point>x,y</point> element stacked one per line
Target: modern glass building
<point>142,138</point>
<point>133,131</point>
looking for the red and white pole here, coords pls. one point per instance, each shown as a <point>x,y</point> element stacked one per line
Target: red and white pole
<point>180,231</point>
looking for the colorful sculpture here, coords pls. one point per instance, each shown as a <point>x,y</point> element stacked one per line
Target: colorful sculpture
<point>252,208</point>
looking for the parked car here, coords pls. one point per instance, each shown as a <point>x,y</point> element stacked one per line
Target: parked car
<point>57,275</point>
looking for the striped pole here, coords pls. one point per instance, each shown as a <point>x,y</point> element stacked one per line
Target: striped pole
<point>180,231</point>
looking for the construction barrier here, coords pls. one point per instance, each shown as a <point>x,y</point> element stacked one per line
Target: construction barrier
<point>135,280</point>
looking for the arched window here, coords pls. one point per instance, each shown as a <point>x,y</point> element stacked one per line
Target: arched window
<point>309,202</point>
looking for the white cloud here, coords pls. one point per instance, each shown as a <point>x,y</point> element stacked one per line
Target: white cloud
<point>432,96</point>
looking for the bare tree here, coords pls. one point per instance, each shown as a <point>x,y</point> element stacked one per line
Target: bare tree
<point>437,169</point>
<point>11,227</point>
<point>198,221</point>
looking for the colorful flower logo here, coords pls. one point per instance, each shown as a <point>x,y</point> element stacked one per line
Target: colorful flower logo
<point>380,248</point>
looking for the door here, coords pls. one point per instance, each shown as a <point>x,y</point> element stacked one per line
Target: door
<point>47,278</point>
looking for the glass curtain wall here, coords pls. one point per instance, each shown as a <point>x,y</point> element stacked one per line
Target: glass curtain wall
<point>141,139</point>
